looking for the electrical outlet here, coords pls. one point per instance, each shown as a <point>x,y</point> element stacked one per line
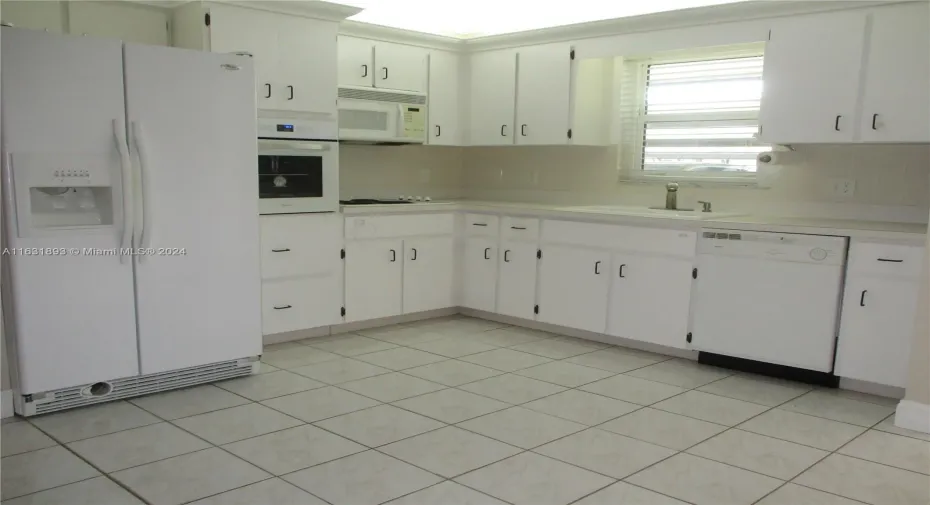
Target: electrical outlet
<point>843,188</point>
<point>424,176</point>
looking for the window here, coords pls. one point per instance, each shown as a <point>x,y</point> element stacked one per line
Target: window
<point>695,117</point>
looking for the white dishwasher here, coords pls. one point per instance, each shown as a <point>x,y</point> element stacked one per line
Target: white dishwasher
<point>769,297</point>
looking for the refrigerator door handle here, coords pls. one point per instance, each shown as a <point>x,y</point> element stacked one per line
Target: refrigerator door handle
<point>122,146</point>
<point>145,234</point>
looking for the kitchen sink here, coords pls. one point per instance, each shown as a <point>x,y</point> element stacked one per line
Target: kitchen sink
<point>651,212</point>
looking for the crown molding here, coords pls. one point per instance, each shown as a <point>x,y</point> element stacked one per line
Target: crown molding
<point>400,36</point>
<point>317,9</point>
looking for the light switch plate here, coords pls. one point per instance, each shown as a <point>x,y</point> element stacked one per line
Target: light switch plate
<point>843,188</point>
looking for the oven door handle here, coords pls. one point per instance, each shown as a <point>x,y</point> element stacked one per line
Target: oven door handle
<point>281,147</point>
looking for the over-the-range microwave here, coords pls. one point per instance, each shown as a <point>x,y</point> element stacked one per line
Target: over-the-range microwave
<point>368,115</point>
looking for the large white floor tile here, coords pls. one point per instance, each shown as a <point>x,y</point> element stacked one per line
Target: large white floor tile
<point>188,402</point>
<point>16,438</point>
<point>757,389</point>
<point>604,452</point>
<point>892,450</point>
<point>522,427</point>
<point>663,428</point>
<point>792,494</point>
<point>514,335</point>
<point>452,372</point>
<point>765,455</point>
<point>617,360</point>
<point>512,388</point>
<point>293,449</point>
<point>402,334</point>
<point>450,451</point>
<point>582,407</point>
<point>888,426</point>
<point>712,408</point>
<point>318,404</point>
<point>189,477</point>
<point>505,360</point>
<point>86,422</point>
<point>352,345</point>
<point>531,479</point>
<point>137,446</point>
<point>704,482</point>
<point>400,358</point>
<point>269,385</point>
<point>553,348</point>
<point>866,481</point>
<point>631,389</point>
<point>39,470</point>
<point>803,429</point>
<point>454,347</point>
<point>237,423</point>
<point>391,387</point>
<point>622,493</point>
<point>368,478</point>
<point>839,408</point>
<point>379,425</point>
<point>96,491</point>
<point>266,492</point>
<point>297,356</point>
<point>682,373</point>
<point>452,405</point>
<point>565,374</point>
<point>447,493</point>
<point>340,370</point>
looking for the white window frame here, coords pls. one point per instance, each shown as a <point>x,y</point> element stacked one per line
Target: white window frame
<point>636,173</point>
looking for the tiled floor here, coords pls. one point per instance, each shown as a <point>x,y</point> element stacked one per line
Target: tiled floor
<point>461,411</point>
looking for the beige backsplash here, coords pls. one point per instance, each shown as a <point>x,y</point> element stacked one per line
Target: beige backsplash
<point>891,181</point>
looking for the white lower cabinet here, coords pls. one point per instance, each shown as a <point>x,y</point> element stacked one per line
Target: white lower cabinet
<point>428,273</point>
<point>573,287</point>
<point>374,279</point>
<point>650,299</point>
<point>516,294</point>
<point>302,303</point>
<point>479,279</point>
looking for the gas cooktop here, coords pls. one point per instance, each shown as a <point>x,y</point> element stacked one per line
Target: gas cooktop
<point>379,201</point>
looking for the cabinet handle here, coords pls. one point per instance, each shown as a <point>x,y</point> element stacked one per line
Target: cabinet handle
<point>280,250</point>
<point>479,224</point>
<point>502,130</point>
<point>597,268</point>
<point>621,270</point>
<point>364,70</point>
<point>874,118</point>
<point>384,78</point>
<point>281,307</point>
<point>291,89</point>
<point>836,124</point>
<point>393,255</point>
<point>862,298</point>
<point>506,259</point>
<point>518,227</point>
<point>243,53</point>
<point>523,130</point>
<point>889,260</point>
<point>268,88</point>
<point>414,258</point>
<point>486,251</point>
<point>438,131</point>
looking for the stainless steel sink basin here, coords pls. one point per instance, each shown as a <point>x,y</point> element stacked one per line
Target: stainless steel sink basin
<point>672,210</point>
<point>623,210</point>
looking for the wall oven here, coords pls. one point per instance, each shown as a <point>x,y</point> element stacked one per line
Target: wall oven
<point>298,171</point>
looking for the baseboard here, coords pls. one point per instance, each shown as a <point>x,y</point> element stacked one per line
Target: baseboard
<point>872,388</point>
<point>6,403</point>
<point>323,331</point>
<point>912,415</point>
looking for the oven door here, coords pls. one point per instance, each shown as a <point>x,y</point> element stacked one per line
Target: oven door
<point>297,176</point>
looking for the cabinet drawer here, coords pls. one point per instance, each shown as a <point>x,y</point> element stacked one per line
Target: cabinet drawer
<point>363,227</point>
<point>481,225</point>
<point>621,238</point>
<point>885,259</point>
<point>298,304</point>
<point>520,228</point>
<point>295,245</point>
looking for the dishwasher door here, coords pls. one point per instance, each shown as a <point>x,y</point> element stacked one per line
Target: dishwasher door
<point>758,308</point>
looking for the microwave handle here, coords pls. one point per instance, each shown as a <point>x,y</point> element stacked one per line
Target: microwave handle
<point>400,120</point>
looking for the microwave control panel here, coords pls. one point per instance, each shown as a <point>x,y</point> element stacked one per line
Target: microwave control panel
<point>414,120</point>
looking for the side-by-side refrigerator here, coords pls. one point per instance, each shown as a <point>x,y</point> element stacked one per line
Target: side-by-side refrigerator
<point>131,239</point>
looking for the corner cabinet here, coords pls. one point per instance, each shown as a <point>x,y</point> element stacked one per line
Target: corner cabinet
<point>370,63</point>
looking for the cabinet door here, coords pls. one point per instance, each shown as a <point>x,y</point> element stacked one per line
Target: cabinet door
<point>480,275</point>
<point>517,294</point>
<point>428,265</point>
<point>398,66</point>
<point>356,61</point>
<point>373,279</point>
<point>876,329</point>
<point>897,79</point>
<point>543,77</point>
<point>811,75</point>
<point>306,72</point>
<point>238,30</point>
<point>493,84</point>
<point>33,15</point>
<point>649,299</point>
<point>301,303</point>
<point>444,100</point>
<point>573,286</point>
<point>119,20</point>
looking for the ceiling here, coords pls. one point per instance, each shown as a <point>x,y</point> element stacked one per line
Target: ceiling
<point>481,18</point>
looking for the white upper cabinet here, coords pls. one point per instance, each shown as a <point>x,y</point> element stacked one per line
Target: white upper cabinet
<point>896,95</point>
<point>380,64</point>
<point>543,82</point>
<point>493,81</point>
<point>811,74</point>
<point>444,100</point>
<point>119,20</point>
<point>34,15</point>
<point>306,71</point>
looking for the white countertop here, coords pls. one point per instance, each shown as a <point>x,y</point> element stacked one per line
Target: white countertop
<point>864,230</point>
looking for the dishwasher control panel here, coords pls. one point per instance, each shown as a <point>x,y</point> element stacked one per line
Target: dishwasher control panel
<point>821,249</point>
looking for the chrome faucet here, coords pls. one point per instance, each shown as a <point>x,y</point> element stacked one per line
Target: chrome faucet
<point>671,196</point>
<point>705,204</point>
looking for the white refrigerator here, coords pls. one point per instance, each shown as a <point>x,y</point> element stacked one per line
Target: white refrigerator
<point>131,235</point>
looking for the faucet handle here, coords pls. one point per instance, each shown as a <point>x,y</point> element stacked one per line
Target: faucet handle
<point>705,204</point>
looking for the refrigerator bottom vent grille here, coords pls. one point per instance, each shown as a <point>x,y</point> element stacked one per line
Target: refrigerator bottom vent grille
<point>140,385</point>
